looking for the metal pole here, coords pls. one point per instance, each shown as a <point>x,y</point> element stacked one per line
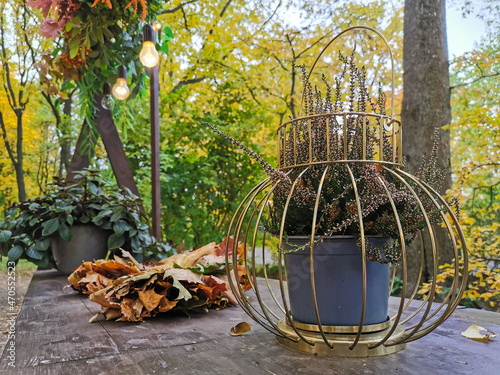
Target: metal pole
<point>155,151</point>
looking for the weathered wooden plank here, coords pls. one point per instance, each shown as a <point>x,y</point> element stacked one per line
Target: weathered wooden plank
<point>109,364</point>
<point>171,330</point>
<point>52,327</point>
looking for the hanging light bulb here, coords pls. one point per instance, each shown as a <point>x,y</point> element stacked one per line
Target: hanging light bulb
<point>156,26</point>
<point>107,101</point>
<point>120,88</point>
<point>149,56</point>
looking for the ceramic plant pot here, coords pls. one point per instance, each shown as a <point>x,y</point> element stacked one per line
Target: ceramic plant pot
<point>88,242</point>
<point>338,275</point>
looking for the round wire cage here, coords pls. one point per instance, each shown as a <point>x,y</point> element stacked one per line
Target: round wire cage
<point>353,143</point>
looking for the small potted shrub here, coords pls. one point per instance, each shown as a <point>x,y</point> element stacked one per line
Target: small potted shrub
<point>75,221</point>
<point>340,185</point>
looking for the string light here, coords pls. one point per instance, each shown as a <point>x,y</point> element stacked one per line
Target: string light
<point>120,88</point>
<point>156,26</point>
<point>107,101</point>
<point>149,56</point>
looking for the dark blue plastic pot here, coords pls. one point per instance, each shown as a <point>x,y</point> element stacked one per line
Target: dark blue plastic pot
<point>338,275</point>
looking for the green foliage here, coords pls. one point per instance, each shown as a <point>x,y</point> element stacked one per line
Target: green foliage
<point>483,276</point>
<point>28,226</point>
<point>475,142</point>
<point>396,287</point>
<point>204,180</point>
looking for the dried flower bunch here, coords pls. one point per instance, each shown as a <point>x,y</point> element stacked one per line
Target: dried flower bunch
<point>333,149</point>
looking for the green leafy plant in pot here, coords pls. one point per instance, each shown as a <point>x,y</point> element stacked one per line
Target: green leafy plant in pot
<point>75,221</point>
<point>341,187</point>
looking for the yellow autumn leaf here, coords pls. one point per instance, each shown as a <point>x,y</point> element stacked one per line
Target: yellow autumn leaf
<point>486,296</point>
<point>474,333</point>
<point>149,299</point>
<point>240,329</point>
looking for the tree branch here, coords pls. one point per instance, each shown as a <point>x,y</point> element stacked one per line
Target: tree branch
<point>186,82</point>
<point>178,7</point>
<point>250,90</point>
<point>185,20</point>
<point>482,76</point>
<point>271,16</point>
<point>327,35</point>
<point>6,142</point>
<point>53,107</point>
<point>225,8</point>
<point>11,96</point>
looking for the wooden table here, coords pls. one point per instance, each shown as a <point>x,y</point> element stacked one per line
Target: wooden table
<point>53,336</point>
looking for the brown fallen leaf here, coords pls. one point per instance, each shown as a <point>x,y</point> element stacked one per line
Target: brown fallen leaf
<point>94,318</point>
<point>221,248</point>
<point>149,299</point>
<point>187,258</point>
<point>126,254</point>
<point>65,287</point>
<point>240,329</point>
<point>111,313</point>
<point>474,333</point>
<point>166,305</point>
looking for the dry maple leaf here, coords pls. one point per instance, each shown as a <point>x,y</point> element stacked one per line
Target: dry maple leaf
<point>91,277</point>
<point>187,258</point>
<point>150,299</point>
<point>474,333</point>
<point>100,298</point>
<point>241,249</point>
<point>240,329</point>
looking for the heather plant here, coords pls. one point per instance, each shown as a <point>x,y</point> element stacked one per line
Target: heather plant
<point>349,157</point>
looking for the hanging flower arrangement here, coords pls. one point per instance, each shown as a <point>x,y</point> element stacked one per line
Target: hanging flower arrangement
<point>92,39</point>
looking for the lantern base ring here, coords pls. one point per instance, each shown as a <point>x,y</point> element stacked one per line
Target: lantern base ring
<point>342,329</point>
<point>341,342</point>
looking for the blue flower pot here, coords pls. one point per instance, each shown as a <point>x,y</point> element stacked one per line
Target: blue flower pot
<point>338,276</point>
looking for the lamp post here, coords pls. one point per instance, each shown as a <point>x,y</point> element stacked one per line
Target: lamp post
<point>149,57</point>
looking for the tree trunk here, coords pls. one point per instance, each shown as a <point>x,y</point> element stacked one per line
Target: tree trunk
<point>21,187</point>
<point>64,137</point>
<point>426,105</point>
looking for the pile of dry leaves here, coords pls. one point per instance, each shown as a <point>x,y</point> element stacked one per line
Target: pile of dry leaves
<point>192,281</point>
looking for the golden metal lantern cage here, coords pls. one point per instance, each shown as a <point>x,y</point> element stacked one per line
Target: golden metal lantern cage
<point>267,301</point>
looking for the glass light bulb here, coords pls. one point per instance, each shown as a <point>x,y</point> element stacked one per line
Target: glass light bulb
<point>156,26</point>
<point>120,89</point>
<point>149,56</point>
<point>107,102</point>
